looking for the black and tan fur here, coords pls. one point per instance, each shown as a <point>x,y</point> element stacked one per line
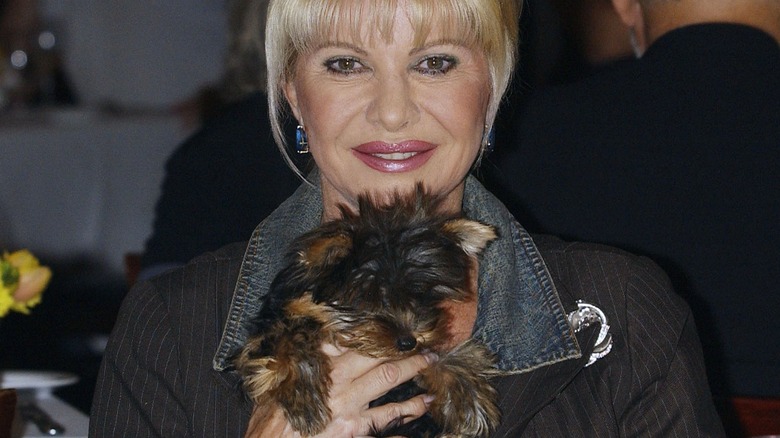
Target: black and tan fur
<point>375,282</point>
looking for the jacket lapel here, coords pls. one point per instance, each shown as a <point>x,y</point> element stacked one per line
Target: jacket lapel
<point>521,396</point>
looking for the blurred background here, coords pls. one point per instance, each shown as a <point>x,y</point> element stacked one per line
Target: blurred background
<point>94,96</point>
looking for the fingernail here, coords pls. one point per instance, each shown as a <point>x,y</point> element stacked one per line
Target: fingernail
<point>430,357</point>
<point>428,399</point>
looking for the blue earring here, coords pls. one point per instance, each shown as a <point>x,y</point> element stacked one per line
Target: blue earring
<point>301,141</point>
<point>489,141</point>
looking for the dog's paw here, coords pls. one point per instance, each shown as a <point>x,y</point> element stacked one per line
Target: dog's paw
<point>467,411</point>
<point>260,373</point>
<point>295,387</point>
<point>464,401</point>
<point>303,393</point>
<point>293,374</point>
<point>304,397</point>
<point>308,419</point>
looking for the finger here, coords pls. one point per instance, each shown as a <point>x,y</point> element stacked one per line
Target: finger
<point>388,375</point>
<point>349,366</point>
<point>401,412</point>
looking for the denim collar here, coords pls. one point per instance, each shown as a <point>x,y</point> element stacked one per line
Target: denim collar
<point>520,316</point>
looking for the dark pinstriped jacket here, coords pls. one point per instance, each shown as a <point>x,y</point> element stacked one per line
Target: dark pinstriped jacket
<point>167,372</point>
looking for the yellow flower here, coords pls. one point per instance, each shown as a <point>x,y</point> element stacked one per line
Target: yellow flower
<point>31,285</point>
<point>6,300</point>
<point>23,282</point>
<point>23,260</point>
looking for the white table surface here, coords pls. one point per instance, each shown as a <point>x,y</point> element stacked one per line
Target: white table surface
<point>75,422</point>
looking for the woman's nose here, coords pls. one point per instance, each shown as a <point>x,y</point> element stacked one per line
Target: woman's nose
<point>393,105</point>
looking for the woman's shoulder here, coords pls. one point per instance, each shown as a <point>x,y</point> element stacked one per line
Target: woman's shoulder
<point>194,298</point>
<point>206,279</point>
<point>654,350</point>
<point>632,288</point>
<point>647,318</point>
<point>566,254</point>
<point>548,243</point>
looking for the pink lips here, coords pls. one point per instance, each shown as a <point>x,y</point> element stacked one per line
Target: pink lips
<point>394,157</point>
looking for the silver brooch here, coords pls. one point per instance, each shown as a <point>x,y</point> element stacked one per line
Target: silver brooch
<point>585,315</point>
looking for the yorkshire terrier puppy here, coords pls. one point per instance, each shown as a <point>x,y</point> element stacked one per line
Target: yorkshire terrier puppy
<point>375,282</point>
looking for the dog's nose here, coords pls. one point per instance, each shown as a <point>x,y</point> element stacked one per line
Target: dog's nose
<point>406,343</point>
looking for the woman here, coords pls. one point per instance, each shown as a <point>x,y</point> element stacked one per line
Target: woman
<point>389,93</point>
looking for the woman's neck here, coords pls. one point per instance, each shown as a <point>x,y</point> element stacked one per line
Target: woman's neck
<point>463,314</point>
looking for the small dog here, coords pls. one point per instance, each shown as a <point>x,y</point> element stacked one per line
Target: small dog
<point>375,282</point>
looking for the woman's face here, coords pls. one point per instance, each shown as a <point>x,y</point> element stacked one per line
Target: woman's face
<point>382,115</point>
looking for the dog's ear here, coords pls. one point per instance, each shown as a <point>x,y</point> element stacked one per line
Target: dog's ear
<point>472,236</point>
<point>326,250</point>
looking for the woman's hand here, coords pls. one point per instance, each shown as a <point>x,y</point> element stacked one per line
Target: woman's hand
<point>356,381</point>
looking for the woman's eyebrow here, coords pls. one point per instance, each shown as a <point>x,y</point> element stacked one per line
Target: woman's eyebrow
<point>439,42</point>
<point>340,45</point>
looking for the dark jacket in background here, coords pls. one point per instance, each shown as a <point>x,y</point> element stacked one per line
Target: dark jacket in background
<point>676,156</point>
<point>219,184</point>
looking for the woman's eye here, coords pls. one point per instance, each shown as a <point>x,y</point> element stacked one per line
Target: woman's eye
<point>437,64</point>
<point>344,65</point>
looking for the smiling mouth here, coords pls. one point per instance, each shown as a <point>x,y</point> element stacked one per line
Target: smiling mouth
<point>396,156</point>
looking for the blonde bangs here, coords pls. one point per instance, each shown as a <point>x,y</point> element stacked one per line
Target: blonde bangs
<point>311,23</point>
<point>475,23</point>
<point>296,27</point>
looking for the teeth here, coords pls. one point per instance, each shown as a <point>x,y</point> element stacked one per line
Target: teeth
<point>396,155</point>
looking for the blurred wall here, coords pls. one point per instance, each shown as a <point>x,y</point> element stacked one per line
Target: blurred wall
<point>79,183</point>
<point>139,52</point>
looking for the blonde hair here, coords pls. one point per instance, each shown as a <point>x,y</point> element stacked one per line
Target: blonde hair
<point>295,27</point>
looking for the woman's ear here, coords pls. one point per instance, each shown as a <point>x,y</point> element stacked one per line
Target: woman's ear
<point>630,12</point>
<point>292,98</point>
<point>632,15</point>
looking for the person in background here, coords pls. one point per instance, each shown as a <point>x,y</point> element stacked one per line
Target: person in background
<point>594,38</point>
<point>388,95</point>
<point>32,71</point>
<point>233,148</point>
<point>675,156</point>
<point>20,22</point>
<point>563,41</point>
